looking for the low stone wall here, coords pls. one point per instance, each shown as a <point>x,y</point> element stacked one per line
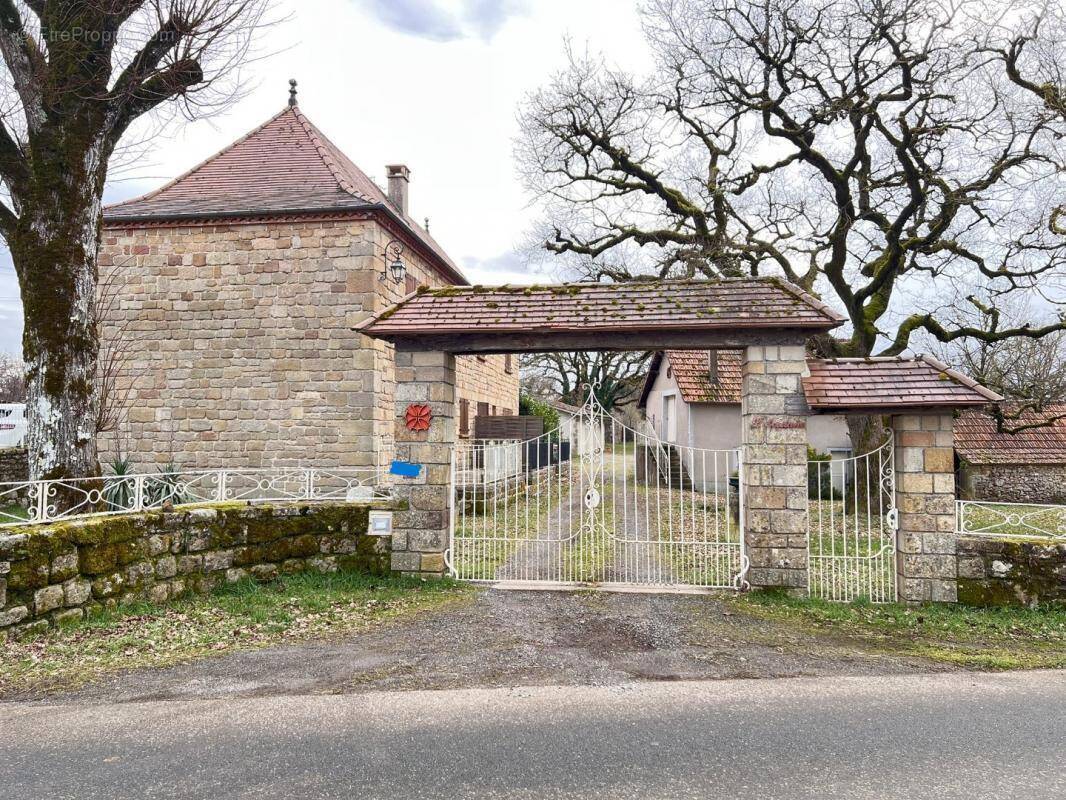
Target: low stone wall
<point>60,572</point>
<point>1014,483</point>
<point>1002,572</point>
<point>14,466</point>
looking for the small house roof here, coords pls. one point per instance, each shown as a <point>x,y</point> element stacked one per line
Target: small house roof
<point>890,384</point>
<point>834,385</point>
<point>691,371</point>
<point>978,440</point>
<point>285,166</point>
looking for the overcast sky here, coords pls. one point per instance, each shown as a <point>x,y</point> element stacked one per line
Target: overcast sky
<point>433,84</point>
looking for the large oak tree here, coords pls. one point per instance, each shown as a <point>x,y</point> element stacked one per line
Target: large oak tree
<point>78,74</point>
<point>878,153</point>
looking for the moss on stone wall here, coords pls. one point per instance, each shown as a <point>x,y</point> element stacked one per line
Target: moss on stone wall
<point>70,568</point>
<point>1011,572</point>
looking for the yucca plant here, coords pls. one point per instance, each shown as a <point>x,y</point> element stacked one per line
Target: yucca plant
<point>119,486</point>
<point>164,487</point>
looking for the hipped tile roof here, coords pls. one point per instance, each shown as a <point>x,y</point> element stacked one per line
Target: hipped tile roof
<point>978,441</point>
<point>606,307</point>
<point>859,384</point>
<point>284,166</point>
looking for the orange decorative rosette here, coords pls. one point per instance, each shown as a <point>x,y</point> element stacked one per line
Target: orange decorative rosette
<point>418,417</point>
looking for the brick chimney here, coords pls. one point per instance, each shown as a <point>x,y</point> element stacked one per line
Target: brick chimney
<point>399,179</point>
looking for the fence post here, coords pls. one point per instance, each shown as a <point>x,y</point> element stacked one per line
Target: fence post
<point>138,493</point>
<point>926,558</point>
<point>774,472</point>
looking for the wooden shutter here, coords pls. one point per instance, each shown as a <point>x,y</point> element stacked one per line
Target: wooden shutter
<point>464,417</point>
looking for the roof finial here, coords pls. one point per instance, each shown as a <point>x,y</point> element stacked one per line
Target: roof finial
<point>427,225</point>
<point>292,92</point>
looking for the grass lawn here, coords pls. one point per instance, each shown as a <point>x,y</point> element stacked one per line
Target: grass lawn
<point>11,512</point>
<point>977,638</point>
<point>242,616</point>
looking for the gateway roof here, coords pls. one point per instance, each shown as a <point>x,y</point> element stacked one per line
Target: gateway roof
<point>604,308</point>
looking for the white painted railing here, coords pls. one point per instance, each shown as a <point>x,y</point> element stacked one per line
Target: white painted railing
<point>1010,520</point>
<point>12,424</point>
<point>49,501</point>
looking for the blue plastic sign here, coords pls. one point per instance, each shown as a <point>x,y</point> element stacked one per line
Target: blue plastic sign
<point>405,469</point>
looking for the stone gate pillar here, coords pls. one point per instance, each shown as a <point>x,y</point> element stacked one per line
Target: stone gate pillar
<point>925,497</point>
<point>774,453</point>
<point>420,533</point>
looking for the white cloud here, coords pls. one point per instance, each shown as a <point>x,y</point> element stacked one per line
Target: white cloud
<point>445,22</point>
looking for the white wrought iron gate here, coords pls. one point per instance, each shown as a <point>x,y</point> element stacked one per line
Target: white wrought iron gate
<point>597,503</point>
<point>852,525</point>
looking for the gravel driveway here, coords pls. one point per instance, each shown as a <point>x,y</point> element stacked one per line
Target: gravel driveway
<point>514,638</point>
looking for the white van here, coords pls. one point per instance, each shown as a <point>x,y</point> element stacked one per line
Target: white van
<point>12,424</point>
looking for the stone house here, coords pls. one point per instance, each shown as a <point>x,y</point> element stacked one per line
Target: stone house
<point>239,284</point>
<point>1024,467</point>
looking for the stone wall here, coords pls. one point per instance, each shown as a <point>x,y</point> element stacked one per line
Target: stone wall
<point>420,532</point>
<point>240,348</point>
<point>925,493</point>
<point>1004,572</point>
<point>50,574</point>
<point>13,465</point>
<point>1015,483</point>
<point>774,435</point>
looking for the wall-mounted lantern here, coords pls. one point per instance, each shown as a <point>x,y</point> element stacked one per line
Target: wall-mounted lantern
<point>394,266</point>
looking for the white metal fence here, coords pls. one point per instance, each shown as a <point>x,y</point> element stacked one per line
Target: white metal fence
<point>851,527</point>
<point>1010,520</point>
<point>12,424</point>
<point>48,501</point>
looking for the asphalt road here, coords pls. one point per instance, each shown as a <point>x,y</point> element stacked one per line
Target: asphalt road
<point>927,736</point>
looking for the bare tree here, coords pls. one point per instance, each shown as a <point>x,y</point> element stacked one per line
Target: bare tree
<point>867,150</point>
<point>12,379</point>
<point>78,74</point>
<point>615,376</point>
<point>1029,372</point>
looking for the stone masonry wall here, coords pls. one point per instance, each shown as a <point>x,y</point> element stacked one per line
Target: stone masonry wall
<point>239,349</point>
<point>774,436</point>
<point>925,494</point>
<point>420,533</point>
<point>13,465</point>
<point>50,574</point>
<point>1015,483</point>
<point>1011,572</point>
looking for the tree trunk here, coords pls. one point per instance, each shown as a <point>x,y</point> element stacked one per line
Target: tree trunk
<point>55,254</point>
<point>867,434</point>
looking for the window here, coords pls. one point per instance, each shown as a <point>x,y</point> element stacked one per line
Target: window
<point>507,412</point>
<point>464,417</point>
<point>482,409</point>
<point>411,284</point>
<point>492,411</point>
<point>508,364</point>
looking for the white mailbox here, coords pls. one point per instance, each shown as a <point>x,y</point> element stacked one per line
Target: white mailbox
<point>380,523</point>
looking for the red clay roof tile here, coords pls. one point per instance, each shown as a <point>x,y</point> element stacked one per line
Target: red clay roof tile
<point>591,307</point>
<point>890,383</point>
<point>978,441</point>
<point>284,165</point>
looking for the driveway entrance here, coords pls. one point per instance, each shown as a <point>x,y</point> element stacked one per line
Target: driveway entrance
<point>627,510</point>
